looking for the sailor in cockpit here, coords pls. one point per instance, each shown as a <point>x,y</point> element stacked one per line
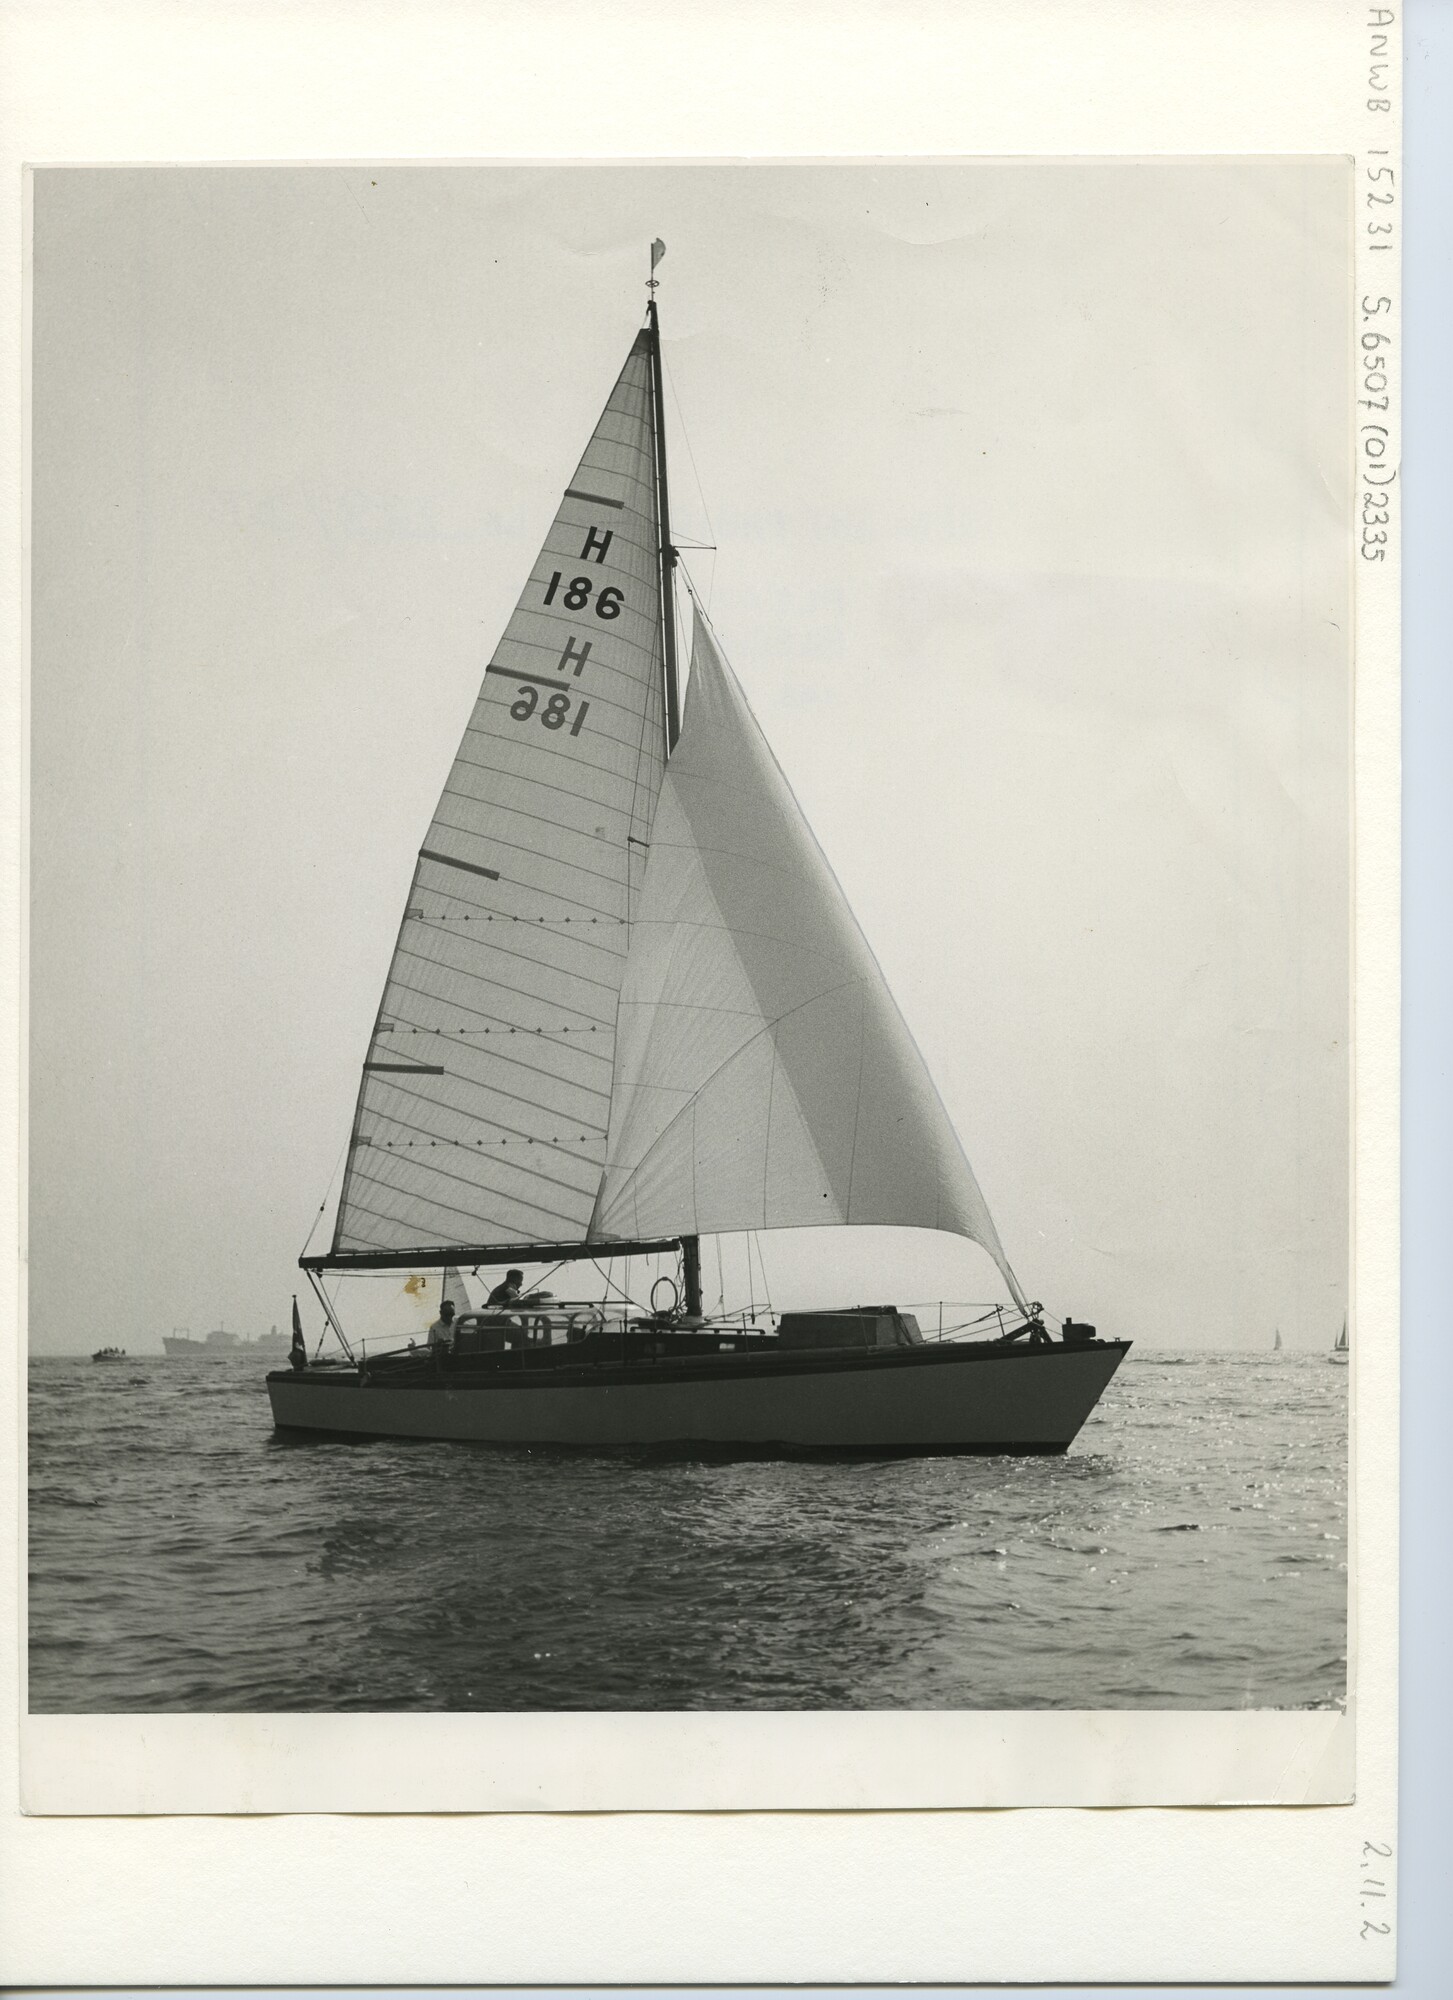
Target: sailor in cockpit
<point>508,1293</point>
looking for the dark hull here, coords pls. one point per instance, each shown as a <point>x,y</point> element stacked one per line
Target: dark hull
<point>921,1401</point>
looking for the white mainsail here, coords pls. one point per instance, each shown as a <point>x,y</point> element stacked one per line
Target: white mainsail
<point>764,1076</point>
<point>486,1092</point>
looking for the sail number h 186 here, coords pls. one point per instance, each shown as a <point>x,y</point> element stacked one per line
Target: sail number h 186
<point>577,596</point>
<point>556,712</point>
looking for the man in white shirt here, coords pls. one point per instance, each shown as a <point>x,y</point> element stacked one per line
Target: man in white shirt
<point>441,1333</point>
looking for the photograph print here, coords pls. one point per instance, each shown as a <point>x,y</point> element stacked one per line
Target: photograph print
<point>689,1028</point>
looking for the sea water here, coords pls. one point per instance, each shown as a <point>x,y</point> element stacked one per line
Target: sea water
<point>1189,1552</point>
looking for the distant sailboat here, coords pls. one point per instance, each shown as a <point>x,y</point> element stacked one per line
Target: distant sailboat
<point>629,1005</point>
<point>1341,1352</point>
<point>1276,1342</point>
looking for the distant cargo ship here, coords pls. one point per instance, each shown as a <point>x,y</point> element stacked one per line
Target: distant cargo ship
<point>221,1344</point>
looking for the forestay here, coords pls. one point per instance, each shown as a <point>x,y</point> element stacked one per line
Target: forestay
<point>765,1078</point>
<point>485,1098</point>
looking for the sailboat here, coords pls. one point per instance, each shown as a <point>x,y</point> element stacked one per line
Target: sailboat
<point>629,1006</point>
<point>1341,1352</point>
<point>1276,1341</point>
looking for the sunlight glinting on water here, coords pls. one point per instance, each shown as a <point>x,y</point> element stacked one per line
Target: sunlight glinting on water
<point>1189,1552</point>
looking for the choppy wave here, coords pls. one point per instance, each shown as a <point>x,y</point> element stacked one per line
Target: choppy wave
<point>1190,1552</point>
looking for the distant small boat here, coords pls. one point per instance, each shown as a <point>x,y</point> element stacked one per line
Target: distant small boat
<point>1340,1349</point>
<point>1276,1342</point>
<point>109,1354</point>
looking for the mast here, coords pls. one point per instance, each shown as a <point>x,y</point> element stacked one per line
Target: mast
<point>690,1245</point>
<point>667,555</point>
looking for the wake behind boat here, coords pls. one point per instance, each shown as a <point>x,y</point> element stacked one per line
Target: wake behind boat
<point>629,1005</point>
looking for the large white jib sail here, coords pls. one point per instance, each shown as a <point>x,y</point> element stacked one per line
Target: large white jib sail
<point>629,1003</point>
<point>764,1076</point>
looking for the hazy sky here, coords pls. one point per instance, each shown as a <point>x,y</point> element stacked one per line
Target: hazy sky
<point>1030,486</point>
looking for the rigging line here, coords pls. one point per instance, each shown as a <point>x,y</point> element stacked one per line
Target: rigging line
<point>323,1205</point>
<point>695,595</point>
<point>655,686</point>
<point>648,722</point>
<point>624,1290</point>
<point>684,649</point>
<point>766,1281</point>
<point>726,659</point>
<point>691,455</point>
<point>544,1280</point>
<point>329,1313</point>
<point>692,592</point>
<point>671,689</point>
<point>609,1282</point>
